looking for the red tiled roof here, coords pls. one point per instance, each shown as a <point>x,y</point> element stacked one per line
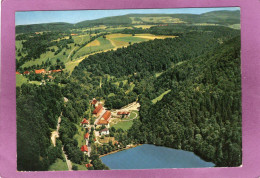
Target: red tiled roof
<point>40,71</point>
<point>73,34</point>
<point>97,109</point>
<point>102,122</point>
<point>54,71</point>
<point>17,72</point>
<point>87,135</point>
<point>106,115</point>
<point>26,72</point>
<point>84,148</point>
<point>89,165</point>
<point>84,121</point>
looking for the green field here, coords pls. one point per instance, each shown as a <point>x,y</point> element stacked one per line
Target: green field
<point>79,136</point>
<point>20,79</point>
<point>59,165</point>
<point>125,125</point>
<point>104,45</point>
<point>155,100</point>
<point>131,39</point>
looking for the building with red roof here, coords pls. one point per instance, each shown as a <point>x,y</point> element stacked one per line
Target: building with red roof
<point>26,73</point>
<point>94,102</point>
<point>86,136</point>
<point>85,122</point>
<point>84,148</point>
<point>107,116</point>
<point>97,111</point>
<point>55,71</point>
<point>105,131</point>
<point>18,73</point>
<point>40,71</point>
<point>88,165</point>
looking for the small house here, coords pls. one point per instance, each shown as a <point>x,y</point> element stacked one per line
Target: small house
<point>40,71</point>
<point>86,136</point>
<point>105,131</point>
<point>85,123</point>
<point>84,148</point>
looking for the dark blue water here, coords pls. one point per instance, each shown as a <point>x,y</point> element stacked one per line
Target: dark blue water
<point>151,157</point>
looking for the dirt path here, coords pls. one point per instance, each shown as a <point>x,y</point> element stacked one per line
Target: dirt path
<point>69,164</point>
<point>55,134</point>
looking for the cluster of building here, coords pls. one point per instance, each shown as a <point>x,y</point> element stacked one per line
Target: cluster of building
<point>85,124</point>
<point>40,71</point>
<point>103,116</point>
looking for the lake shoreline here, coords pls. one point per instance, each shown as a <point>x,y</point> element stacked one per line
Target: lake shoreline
<point>120,150</point>
<point>143,158</point>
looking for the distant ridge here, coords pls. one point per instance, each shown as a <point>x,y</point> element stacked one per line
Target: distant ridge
<point>223,17</point>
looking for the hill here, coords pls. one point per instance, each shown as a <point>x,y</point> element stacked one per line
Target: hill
<point>215,17</point>
<point>202,112</point>
<point>59,26</point>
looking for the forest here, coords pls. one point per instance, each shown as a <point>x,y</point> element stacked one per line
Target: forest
<point>202,113</point>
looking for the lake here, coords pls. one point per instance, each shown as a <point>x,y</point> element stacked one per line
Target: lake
<point>151,157</point>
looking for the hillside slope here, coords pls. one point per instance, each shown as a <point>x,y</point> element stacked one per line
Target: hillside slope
<point>202,113</point>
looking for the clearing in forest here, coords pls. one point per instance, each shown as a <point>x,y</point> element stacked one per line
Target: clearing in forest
<point>152,37</point>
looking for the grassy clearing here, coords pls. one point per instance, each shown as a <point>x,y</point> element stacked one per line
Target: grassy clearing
<point>144,26</point>
<point>104,45</point>
<point>59,165</point>
<point>117,35</point>
<point>20,79</point>
<point>132,115</point>
<point>235,26</point>
<point>152,37</point>
<point>111,94</point>
<point>131,39</point>
<point>18,44</point>
<point>79,136</point>
<point>49,55</point>
<point>124,125</point>
<point>155,100</point>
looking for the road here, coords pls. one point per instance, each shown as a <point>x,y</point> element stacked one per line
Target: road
<point>69,164</point>
<point>54,135</point>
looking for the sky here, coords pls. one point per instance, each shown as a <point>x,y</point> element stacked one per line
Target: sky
<point>37,17</point>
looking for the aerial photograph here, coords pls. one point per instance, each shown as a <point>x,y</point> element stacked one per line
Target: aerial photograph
<point>128,89</point>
